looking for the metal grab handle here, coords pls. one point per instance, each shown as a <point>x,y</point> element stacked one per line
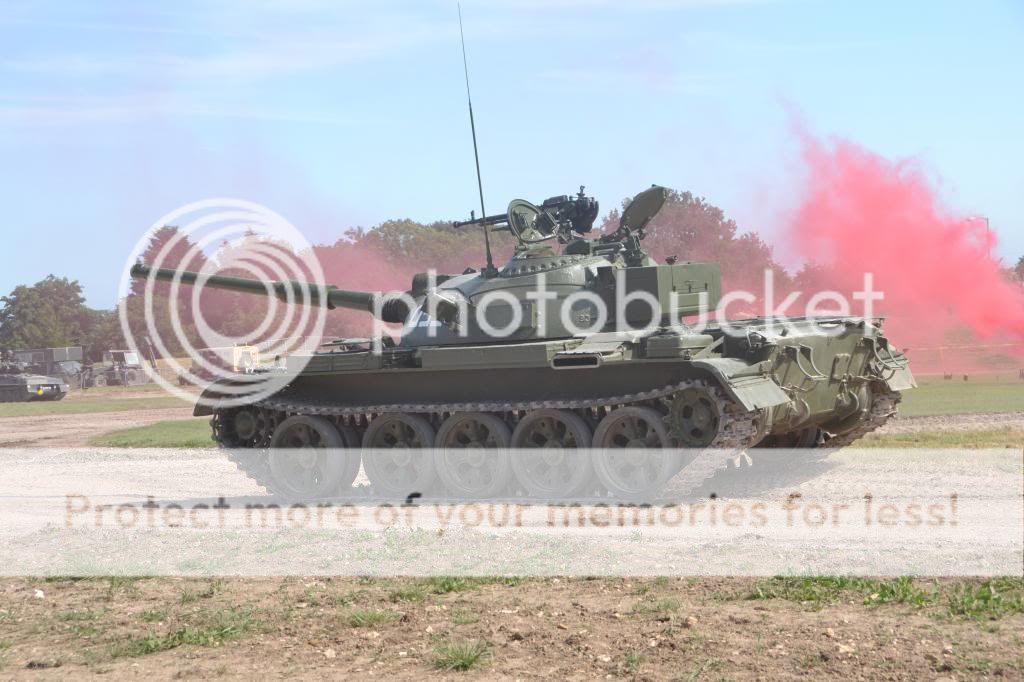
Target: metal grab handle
<point>892,364</point>
<point>796,351</point>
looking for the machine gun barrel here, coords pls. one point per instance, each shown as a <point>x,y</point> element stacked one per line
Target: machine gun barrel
<point>488,220</point>
<point>389,306</point>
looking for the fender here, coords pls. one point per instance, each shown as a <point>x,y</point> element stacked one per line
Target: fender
<point>748,385</point>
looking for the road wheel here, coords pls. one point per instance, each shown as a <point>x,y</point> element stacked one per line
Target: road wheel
<point>471,454</point>
<point>308,459</point>
<point>633,456</point>
<point>552,459</point>
<point>396,455</point>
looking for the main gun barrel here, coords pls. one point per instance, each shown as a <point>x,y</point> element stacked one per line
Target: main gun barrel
<point>388,306</point>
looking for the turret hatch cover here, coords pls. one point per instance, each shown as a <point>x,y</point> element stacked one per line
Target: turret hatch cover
<point>528,223</point>
<point>643,208</point>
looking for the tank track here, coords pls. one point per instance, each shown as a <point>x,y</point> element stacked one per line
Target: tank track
<point>883,408</point>
<point>740,429</point>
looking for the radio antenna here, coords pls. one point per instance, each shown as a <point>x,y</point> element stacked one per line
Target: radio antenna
<point>489,270</point>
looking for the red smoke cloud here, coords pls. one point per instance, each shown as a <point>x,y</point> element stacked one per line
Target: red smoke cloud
<point>859,212</point>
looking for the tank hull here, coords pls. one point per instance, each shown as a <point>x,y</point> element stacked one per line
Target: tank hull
<point>759,387</point>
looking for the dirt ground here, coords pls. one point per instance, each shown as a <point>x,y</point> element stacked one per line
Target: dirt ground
<point>407,628</point>
<point>538,629</point>
<point>75,430</point>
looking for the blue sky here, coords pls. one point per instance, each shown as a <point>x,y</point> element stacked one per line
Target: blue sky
<point>333,114</point>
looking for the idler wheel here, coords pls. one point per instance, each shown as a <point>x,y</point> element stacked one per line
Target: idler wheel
<point>696,416</point>
<point>247,425</point>
<point>471,454</point>
<point>396,454</point>
<point>552,460</point>
<point>632,456</point>
<point>308,459</point>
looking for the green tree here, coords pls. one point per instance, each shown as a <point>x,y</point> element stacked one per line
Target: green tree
<point>101,331</point>
<point>174,249</point>
<point>48,313</point>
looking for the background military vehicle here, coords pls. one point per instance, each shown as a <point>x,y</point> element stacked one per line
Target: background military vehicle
<point>20,381</point>
<point>638,405</point>
<point>120,368</point>
<point>242,359</point>
<point>64,363</point>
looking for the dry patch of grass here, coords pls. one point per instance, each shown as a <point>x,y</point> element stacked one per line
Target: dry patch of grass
<point>207,629</point>
<point>460,655</point>
<point>365,618</point>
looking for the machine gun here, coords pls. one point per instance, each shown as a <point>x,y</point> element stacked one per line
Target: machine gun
<point>562,217</point>
<point>568,219</point>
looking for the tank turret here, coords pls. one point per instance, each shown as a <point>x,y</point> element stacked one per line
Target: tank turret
<point>604,284</point>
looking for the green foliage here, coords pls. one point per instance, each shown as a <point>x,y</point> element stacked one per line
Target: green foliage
<point>633,661</point>
<point>78,616</point>
<point>814,591</point>
<point>460,655</point>
<point>990,600</point>
<point>212,629</point>
<point>45,314</point>
<point>52,313</point>
<point>902,590</point>
<point>444,584</point>
<point>464,617</point>
<point>101,331</point>
<point>656,606</point>
<point>364,618</point>
<point>410,594</point>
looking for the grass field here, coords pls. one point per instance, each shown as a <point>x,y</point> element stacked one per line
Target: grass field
<point>89,406</point>
<point>935,396</point>
<point>184,433</point>
<point>1005,437</point>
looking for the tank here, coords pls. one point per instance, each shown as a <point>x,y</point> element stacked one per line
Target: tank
<point>575,369</point>
<point>20,383</point>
